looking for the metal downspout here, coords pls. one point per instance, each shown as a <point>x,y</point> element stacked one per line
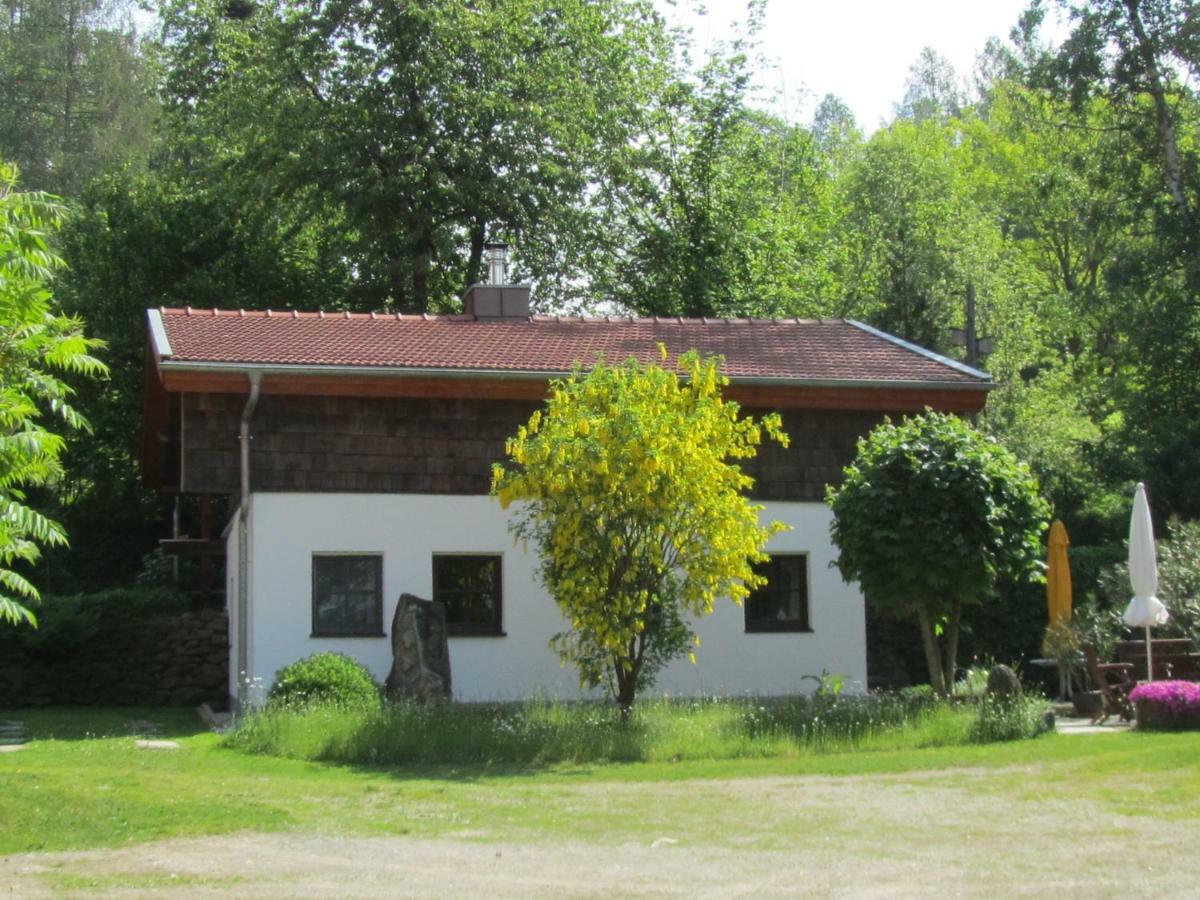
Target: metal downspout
<point>243,605</point>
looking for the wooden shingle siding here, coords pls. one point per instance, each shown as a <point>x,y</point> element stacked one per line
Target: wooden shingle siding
<point>822,443</point>
<point>441,446</point>
<point>348,444</point>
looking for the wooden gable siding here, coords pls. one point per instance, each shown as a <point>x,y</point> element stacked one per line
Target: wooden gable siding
<point>348,444</point>
<point>822,443</point>
<point>440,446</point>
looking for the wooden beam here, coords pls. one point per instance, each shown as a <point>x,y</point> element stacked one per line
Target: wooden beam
<point>882,399</point>
<point>192,547</point>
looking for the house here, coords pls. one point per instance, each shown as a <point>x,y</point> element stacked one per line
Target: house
<point>357,448</point>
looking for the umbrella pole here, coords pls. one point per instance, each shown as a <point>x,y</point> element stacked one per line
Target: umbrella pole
<point>1149,656</point>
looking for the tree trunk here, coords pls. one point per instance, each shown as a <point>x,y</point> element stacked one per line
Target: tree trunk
<point>398,280</point>
<point>422,262</point>
<point>951,661</point>
<point>475,261</point>
<point>627,671</point>
<point>1172,169</point>
<point>68,111</point>
<point>933,658</point>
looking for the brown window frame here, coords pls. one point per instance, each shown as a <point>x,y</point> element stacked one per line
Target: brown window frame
<point>371,629</point>
<point>472,629</point>
<point>776,626</point>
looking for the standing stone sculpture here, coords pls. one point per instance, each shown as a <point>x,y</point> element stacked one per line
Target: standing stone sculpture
<point>1003,683</point>
<point>420,653</point>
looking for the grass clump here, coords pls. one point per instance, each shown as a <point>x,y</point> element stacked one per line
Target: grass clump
<point>1000,718</point>
<point>324,679</point>
<point>542,733</point>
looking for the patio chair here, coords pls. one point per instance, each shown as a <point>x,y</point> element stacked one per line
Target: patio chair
<point>1114,681</point>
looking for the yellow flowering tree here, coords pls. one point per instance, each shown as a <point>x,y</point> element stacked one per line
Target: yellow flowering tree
<point>628,483</point>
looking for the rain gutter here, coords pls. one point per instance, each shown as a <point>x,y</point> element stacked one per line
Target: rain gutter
<point>983,382</point>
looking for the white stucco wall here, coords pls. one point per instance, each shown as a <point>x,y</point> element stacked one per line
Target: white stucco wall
<point>407,529</point>
<point>231,604</point>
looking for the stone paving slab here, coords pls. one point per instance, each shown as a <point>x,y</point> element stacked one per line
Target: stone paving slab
<point>12,734</point>
<point>1071,725</point>
<point>156,745</point>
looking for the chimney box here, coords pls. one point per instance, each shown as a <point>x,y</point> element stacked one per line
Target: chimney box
<point>497,302</point>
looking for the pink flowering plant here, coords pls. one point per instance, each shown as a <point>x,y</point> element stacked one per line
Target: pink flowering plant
<point>1167,704</point>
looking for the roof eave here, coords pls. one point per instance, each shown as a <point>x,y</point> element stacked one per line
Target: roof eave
<point>159,342</point>
<point>277,369</point>
<point>916,348</point>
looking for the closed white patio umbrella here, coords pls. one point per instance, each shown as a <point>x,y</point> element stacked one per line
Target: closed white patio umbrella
<point>1144,610</point>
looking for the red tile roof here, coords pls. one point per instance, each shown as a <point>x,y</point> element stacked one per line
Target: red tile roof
<point>792,350</point>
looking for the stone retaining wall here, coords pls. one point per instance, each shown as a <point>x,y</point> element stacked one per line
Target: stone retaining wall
<point>164,659</point>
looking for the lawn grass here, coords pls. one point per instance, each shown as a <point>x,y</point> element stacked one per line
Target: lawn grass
<point>68,790</point>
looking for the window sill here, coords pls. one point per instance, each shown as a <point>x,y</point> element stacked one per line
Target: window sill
<point>778,629</point>
<point>475,634</point>
<point>353,634</point>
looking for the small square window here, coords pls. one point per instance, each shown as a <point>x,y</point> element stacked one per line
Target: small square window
<point>782,603</point>
<point>347,596</point>
<point>469,588</point>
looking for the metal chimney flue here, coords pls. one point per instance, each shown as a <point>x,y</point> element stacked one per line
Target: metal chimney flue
<point>497,263</point>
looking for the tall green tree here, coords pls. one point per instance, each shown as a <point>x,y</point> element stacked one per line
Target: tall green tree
<point>932,91</point>
<point>919,234</point>
<point>1142,57</point>
<point>930,516</point>
<point>1055,178</point>
<point>736,210</point>
<point>1140,53</point>
<point>415,130</point>
<point>39,346</point>
<point>76,93</point>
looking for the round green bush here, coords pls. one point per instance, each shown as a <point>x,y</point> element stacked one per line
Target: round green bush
<point>324,678</point>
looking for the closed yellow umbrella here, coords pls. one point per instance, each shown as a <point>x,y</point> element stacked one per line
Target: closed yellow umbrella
<point>1058,575</point>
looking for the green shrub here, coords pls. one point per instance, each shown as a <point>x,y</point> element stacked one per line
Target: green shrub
<point>67,624</point>
<point>1178,580</point>
<point>324,679</point>
<point>1010,718</point>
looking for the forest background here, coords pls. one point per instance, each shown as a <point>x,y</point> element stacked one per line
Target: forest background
<point>350,155</point>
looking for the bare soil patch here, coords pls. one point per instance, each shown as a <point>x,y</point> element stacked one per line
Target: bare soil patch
<point>959,832</point>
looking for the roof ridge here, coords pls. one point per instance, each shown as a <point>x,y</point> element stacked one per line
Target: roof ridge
<point>687,320</point>
<point>271,313</point>
<point>557,318</point>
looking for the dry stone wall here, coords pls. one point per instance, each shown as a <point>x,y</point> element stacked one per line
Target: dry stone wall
<point>169,658</point>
